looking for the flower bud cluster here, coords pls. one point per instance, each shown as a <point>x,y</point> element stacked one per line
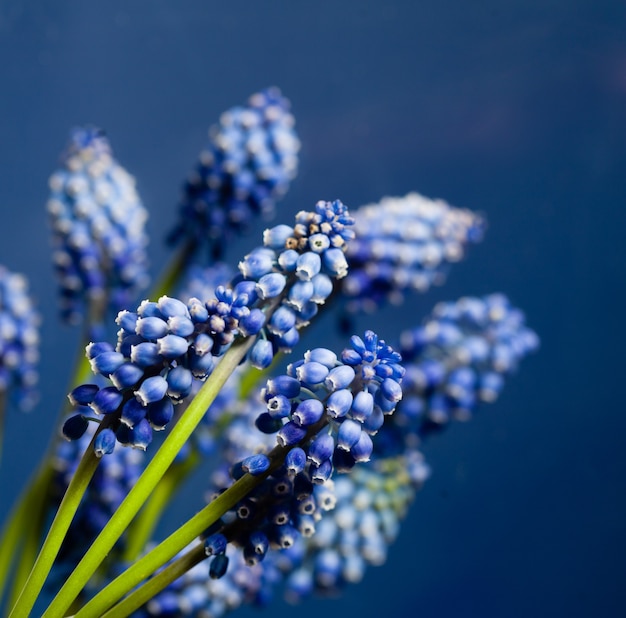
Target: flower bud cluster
<point>370,504</point>
<point>404,244</point>
<point>300,262</point>
<point>19,340</point>
<point>323,412</point>
<point>459,358</point>
<point>161,348</point>
<point>251,158</point>
<point>98,225</point>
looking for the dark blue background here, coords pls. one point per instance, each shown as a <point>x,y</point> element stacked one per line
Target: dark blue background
<point>516,109</point>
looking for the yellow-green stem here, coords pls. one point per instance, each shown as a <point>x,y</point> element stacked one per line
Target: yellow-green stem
<point>157,583</point>
<point>146,483</point>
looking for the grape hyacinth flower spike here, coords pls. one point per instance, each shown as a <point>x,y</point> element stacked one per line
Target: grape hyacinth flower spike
<point>404,244</point>
<point>19,340</point>
<point>251,158</point>
<point>98,221</point>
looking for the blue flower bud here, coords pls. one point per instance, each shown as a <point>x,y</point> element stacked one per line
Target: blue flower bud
<point>276,237</point>
<point>309,264</point>
<point>256,464</point>
<point>74,427</point>
<point>338,403</point>
<point>127,374</point>
<point>288,260</point>
<point>348,434</point>
<point>172,307</point>
<point>295,461</point>
<point>151,390</point>
<point>362,450</point>
<point>106,362</point>
<point>256,547</point>
<point>312,373</point>
<point>270,285</point>
<point>319,242</point>
<point>288,340</point>
<point>180,382</point>
<point>279,406</point>
<point>252,323</point>
<point>257,263</point>
<point>321,448</point>
<point>339,378</point>
<point>180,325</point>
<point>127,321</point>
<point>160,413</point>
<point>335,262</point>
<point>308,412</point>
<point>145,354</point>
<point>322,288</point>
<point>93,349</point>
<point>172,346</point>
<point>83,395</point>
<point>289,434</point>
<point>261,354</point>
<point>132,412</point>
<point>107,400</point>
<point>283,385</point>
<point>320,474</point>
<point>140,435</point>
<point>362,406</point>
<point>219,566</point>
<point>300,294</point>
<point>282,320</point>
<point>321,355</point>
<point>202,344</point>
<point>104,442</point>
<point>283,536</point>
<point>151,327</point>
<point>267,424</point>
<point>215,544</point>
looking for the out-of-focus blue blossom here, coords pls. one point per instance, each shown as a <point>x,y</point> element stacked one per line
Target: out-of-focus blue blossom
<point>251,158</point>
<point>459,358</point>
<point>19,340</point>
<point>368,506</point>
<point>98,220</point>
<point>404,244</point>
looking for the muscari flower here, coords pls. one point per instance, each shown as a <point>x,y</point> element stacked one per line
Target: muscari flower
<point>98,220</point>
<point>164,345</point>
<point>251,158</point>
<point>404,244</point>
<point>458,359</point>
<point>19,340</point>
<point>323,412</point>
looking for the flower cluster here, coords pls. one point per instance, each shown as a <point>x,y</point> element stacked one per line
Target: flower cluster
<point>459,358</point>
<point>164,345</point>
<point>323,412</point>
<point>404,244</point>
<point>98,228</point>
<point>247,165</point>
<point>19,340</point>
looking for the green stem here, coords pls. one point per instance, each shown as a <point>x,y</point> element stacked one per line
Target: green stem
<point>140,531</point>
<point>176,542</point>
<point>183,536</point>
<point>157,583</point>
<point>58,530</point>
<point>146,483</point>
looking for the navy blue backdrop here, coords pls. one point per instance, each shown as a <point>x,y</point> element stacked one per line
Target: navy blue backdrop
<point>514,109</point>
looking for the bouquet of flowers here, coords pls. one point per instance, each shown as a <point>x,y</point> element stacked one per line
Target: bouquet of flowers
<point>314,458</point>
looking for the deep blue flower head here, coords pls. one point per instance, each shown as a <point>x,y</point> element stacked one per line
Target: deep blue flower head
<point>251,158</point>
<point>459,358</point>
<point>98,225</point>
<point>19,340</point>
<point>404,244</point>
